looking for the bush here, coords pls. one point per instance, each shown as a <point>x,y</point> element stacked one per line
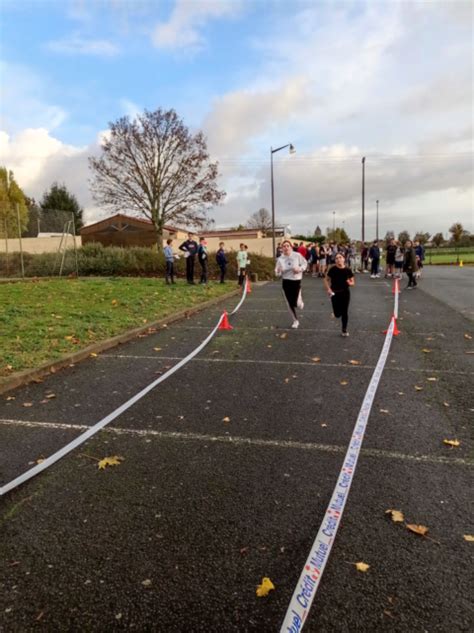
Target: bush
<point>109,261</point>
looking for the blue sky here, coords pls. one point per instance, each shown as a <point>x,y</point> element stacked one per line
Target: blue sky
<point>386,79</point>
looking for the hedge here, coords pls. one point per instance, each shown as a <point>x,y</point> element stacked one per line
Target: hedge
<point>109,261</point>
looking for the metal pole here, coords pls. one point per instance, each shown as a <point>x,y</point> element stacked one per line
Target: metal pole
<point>363,199</point>
<point>19,237</point>
<point>273,204</point>
<point>74,240</point>
<point>333,221</point>
<point>6,247</point>
<point>377,222</point>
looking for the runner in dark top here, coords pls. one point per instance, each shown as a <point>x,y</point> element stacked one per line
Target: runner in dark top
<point>337,282</point>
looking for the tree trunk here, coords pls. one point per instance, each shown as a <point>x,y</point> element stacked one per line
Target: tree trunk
<point>159,236</point>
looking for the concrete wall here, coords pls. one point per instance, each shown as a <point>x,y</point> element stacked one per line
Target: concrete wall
<point>35,245</point>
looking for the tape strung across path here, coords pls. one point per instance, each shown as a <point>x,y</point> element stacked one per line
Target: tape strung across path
<point>310,577</point>
<point>49,461</point>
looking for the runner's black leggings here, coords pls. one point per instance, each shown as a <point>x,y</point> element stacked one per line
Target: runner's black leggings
<point>291,290</point>
<point>340,305</point>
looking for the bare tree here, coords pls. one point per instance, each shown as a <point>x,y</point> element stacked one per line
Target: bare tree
<point>153,166</point>
<point>438,239</point>
<point>261,220</point>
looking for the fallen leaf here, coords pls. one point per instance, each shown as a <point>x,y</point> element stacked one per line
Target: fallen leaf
<point>316,359</point>
<point>323,425</point>
<point>110,461</point>
<point>287,380</point>
<point>244,550</point>
<point>284,335</point>
<point>417,529</point>
<point>93,354</point>
<point>355,362</point>
<point>384,411</point>
<point>446,404</point>
<point>68,338</point>
<point>157,349</point>
<point>432,379</point>
<point>146,583</point>
<point>343,382</point>
<point>50,396</point>
<point>418,388</point>
<point>226,419</point>
<point>425,350</point>
<point>361,566</point>
<point>27,404</point>
<point>40,460</point>
<point>468,336</point>
<point>10,398</point>
<point>268,345</point>
<point>396,515</point>
<point>401,393</point>
<point>265,588</point>
<point>469,538</point>
<point>429,338</point>
<point>469,352</point>
<point>114,302</point>
<point>452,442</point>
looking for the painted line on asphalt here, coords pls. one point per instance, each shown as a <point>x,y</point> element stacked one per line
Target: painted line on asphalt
<point>244,441</point>
<point>288,362</point>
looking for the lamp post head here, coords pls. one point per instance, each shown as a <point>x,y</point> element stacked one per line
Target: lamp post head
<point>292,149</point>
<point>363,159</point>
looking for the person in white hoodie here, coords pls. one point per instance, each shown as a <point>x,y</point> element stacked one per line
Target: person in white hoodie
<point>290,266</point>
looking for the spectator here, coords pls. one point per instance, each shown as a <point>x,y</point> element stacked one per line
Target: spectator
<point>409,265</point>
<point>221,260</point>
<point>420,257</point>
<point>241,263</point>
<point>190,248</point>
<point>203,260</point>
<point>374,254</point>
<point>169,258</point>
<point>390,261</point>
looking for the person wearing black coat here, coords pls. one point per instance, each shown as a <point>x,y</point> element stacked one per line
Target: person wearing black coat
<point>190,248</point>
<point>374,254</point>
<point>409,264</point>
<point>221,260</point>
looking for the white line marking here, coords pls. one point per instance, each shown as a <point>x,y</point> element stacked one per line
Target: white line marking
<point>241,441</point>
<point>287,362</point>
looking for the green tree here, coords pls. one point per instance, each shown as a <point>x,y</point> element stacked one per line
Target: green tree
<point>421,237</point>
<point>153,166</point>
<point>438,239</point>
<point>457,233</point>
<point>12,205</point>
<point>337,235</point>
<point>57,208</point>
<point>403,237</point>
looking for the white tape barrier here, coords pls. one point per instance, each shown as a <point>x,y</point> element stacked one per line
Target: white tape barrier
<point>49,461</point>
<point>397,290</point>
<point>310,577</point>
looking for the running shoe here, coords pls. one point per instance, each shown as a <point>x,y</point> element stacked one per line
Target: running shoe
<point>299,303</point>
<point>345,334</point>
<point>295,324</point>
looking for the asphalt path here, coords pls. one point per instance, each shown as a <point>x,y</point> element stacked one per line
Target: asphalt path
<point>452,285</point>
<point>228,468</point>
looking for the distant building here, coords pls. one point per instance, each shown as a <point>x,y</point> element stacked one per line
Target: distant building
<point>125,230</point>
<point>318,231</point>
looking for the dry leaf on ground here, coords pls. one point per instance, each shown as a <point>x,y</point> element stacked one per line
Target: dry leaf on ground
<point>343,382</point>
<point>384,411</point>
<point>452,442</point>
<point>316,359</point>
<point>50,396</point>
<point>27,404</point>
<point>418,388</point>
<point>396,515</point>
<point>355,362</point>
<point>425,350</point>
<point>93,355</point>
<point>446,404</point>
<point>114,460</point>
<point>417,529</point>
<point>468,336</point>
<point>157,349</point>
<point>265,588</point>
<point>226,419</point>
<point>361,566</point>
<point>284,335</point>
<point>146,583</point>
<point>432,379</point>
<point>469,538</point>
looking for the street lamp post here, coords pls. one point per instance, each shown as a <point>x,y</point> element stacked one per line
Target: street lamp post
<point>333,222</point>
<point>377,222</point>
<point>363,199</point>
<point>273,151</point>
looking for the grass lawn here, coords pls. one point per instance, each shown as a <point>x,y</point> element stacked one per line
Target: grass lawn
<point>446,258</point>
<point>41,321</point>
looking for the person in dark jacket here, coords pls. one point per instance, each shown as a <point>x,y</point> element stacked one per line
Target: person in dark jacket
<point>420,257</point>
<point>374,254</point>
<point>202,259</point>
<point>189,247</point>
<point>222,262</point>
<point>409,264</point>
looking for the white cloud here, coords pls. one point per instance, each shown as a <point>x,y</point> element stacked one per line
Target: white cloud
<point>77,45</point>
<point>183,29</point>
<point>130,108</point>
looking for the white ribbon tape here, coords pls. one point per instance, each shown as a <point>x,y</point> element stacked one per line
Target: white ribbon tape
<point>310,577</point>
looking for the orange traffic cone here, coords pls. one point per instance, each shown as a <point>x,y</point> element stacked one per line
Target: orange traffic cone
<point>396,331</point>
<point>249,289</point>
<point>225,325</point>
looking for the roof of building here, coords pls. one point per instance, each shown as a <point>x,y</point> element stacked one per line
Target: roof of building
<point>122,218</point>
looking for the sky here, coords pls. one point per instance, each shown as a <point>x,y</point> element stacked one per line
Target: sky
<point>386,79</point>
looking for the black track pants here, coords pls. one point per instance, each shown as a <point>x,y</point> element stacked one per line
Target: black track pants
<point>340,305</point>
<point>291,290</point>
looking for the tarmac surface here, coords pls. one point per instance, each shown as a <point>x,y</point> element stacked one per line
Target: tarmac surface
<point>179,535</point>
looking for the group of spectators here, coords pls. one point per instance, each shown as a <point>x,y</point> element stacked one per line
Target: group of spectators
<point>193,250</point>
<point>407,257</point>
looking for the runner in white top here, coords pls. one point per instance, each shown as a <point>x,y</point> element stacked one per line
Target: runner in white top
<point>290,266</point>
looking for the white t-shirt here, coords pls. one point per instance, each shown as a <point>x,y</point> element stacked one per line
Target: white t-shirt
<point>286,263</point>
